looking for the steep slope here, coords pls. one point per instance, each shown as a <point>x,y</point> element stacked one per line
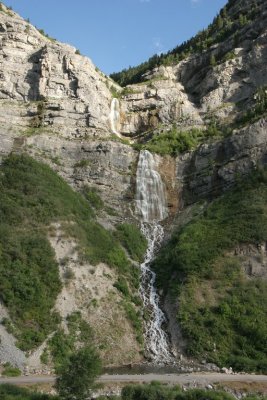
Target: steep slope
<point>60,269</point>
<point>214,270</point>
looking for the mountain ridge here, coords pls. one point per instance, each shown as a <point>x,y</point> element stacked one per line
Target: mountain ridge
<point>222,26</point>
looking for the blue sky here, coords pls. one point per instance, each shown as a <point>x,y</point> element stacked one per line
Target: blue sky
<point>118,33</point>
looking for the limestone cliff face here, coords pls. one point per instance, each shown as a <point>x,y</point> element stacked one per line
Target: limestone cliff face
<point>160,100</point>
<point>105,165</point>
<point>216,167</point>
<point>192,92</point>
<point>48,84</point>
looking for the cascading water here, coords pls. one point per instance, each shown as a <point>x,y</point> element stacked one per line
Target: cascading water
<point>114,116</point>
<point>151,208</point>
<point>150,192</point>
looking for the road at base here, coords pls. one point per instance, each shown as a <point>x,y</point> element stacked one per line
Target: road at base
<point>182,379</point>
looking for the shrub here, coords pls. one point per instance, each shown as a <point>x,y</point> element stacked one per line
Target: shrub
<point>93,197</point>
<point>259,110</point>
<point>77,377</point>
<point>157,391</point>
<point>213,60</point>
<point>121,285</point>
<point>62,345</point>
<point>135,318</point>
<point>10,392</point>
<point>229,56</point>
<point>176,141</point>
<point>132,239</point>
<point>11,371</point>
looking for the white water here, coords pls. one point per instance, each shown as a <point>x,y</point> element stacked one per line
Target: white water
<point>151,207</point>
<point>114,116</point>
<point>150,190</point>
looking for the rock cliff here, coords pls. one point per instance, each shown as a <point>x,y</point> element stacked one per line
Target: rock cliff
<point>49,84</point>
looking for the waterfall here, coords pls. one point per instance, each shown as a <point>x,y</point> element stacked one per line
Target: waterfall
<point>151,208</point>
<point>150,191</point>
<point>114,116</point>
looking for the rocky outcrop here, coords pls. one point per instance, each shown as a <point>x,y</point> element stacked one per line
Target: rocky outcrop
<point>194,91</point>
<point>191,92</point>
<point>160,100</point>
<point>253,259</point>
<point>107,166</point>
<point>215,167</point>
<point>48,85</point>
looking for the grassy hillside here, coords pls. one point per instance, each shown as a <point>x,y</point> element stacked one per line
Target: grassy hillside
<point>32,197</point>
<point>221,310</point>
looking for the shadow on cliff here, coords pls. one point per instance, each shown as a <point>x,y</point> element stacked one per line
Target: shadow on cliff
<point>34,75</point>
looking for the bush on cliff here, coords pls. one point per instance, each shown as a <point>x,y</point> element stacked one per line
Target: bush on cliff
<point>133,240</point>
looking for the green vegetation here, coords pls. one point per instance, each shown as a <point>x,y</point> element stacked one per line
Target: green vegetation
<point>213,60</point>
<point>62,345</point>
<point>122,286</point>
<point>259,110</point>
<point>115,92</point>
<point>10,371</point>
<point>43,33</point>
<point>92,196</point>
<point>132,302</point>
<point>220,309</point>
<point>9,392</point>
<point>176,141</point>
<point>229,56</point>
<point>32,198</point>
<point>133,240</point>
<point>134,317</point>
<point>128,90</point>
<point>135,243</point>
<point>227,24</point>
<point>153,391</point>
<point>37,120</point>
<point>83,163</point>
<point>77,377</point>
<point>157,391</point>
<point>29,274</point>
